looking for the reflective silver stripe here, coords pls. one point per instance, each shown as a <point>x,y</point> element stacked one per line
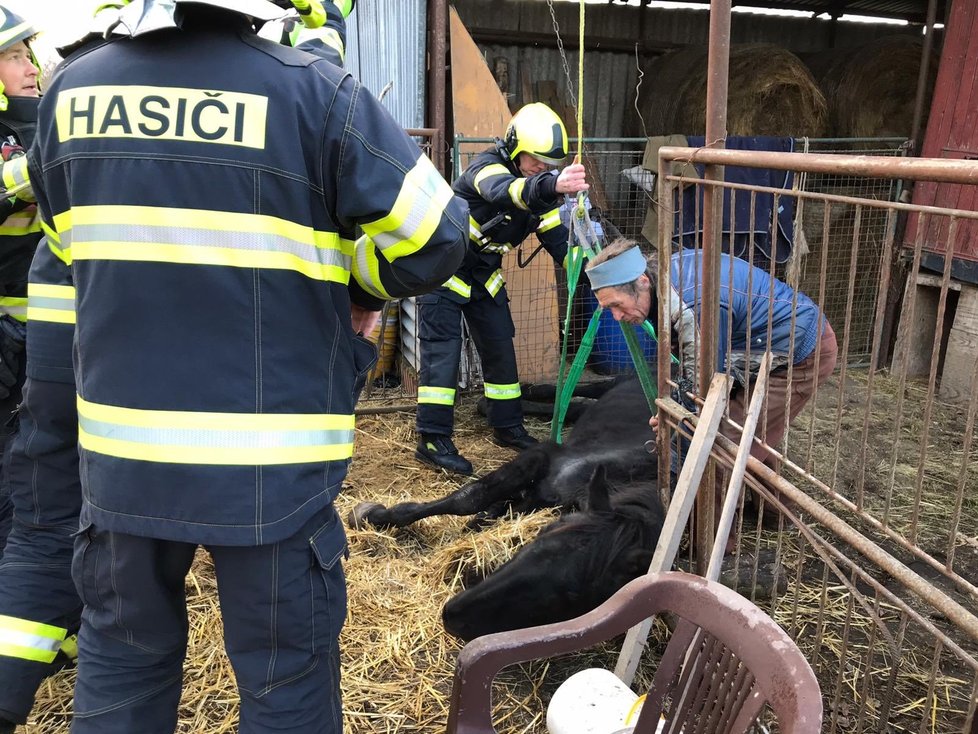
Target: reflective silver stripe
<point>549,220</point>
<point>27,640</point>
<point>516,193</point>
<point>366,269</point>
<point>208,438</point>
<point>502,392</point>
<point>498,248</point>
<point>474,232</point>
<point>191,237</point>
<point>416,212</point>
<point>495,282</point>
<point>428,395</point>
<point>459,286</point>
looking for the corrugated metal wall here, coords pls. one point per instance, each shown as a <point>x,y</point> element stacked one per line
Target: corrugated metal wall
<point>610,76</point>
<point>386,43</point>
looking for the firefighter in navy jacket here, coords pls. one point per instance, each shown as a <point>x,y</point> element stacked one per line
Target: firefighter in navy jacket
<point>511,192</point>
<point>20,226</point>
<point>207,218</point>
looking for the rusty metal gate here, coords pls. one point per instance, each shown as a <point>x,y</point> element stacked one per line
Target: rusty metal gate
<point>870,556</point>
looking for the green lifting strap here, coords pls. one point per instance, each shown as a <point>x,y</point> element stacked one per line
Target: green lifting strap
<point>565,390</point>
<point>575,260</point>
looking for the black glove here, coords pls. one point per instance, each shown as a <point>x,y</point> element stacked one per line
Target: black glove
<point>683,393</point>
<point>11,347</point>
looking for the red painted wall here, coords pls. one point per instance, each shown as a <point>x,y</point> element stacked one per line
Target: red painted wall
<point>952,132</point>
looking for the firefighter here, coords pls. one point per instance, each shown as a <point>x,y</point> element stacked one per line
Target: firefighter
<point>39,597</point>
<point>20,230</point>
<point>208,218</point>
<point>512,192</point>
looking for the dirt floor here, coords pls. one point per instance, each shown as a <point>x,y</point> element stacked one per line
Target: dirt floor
<point>398,661</point>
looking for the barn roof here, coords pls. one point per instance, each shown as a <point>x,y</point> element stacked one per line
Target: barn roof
<point>914,11</point>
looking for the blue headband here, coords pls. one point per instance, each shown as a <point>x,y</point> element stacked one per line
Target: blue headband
<point>618,270</point>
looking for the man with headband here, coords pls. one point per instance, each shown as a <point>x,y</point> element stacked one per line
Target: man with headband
<point>793,328</point>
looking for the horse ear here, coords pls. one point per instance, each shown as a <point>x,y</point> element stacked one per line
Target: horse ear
<point>597,491</point>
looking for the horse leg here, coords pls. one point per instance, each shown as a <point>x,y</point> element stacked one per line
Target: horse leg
<point>503,484</point>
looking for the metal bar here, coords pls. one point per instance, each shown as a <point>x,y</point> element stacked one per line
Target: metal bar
<point>930,169</point>
<point>821,307</point>
<point>717,72</point>
<point>667,196</point>
<point>931,387</point>
<point>957,614</point>
<point>886,263</point>
<point>438,88</point>
<point>908,314</point>
<point>969,433</point>
<point>510,37</point>
<point>421,132</point>
<point>838,198</point>
<point>918,105</point>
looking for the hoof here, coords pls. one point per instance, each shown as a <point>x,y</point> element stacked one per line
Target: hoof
<point>358,519</point>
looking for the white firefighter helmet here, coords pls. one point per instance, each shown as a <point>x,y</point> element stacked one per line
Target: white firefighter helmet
<point>14,29</point>
<point>145,16</point>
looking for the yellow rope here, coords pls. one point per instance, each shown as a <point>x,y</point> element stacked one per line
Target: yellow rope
<point>580,211</point>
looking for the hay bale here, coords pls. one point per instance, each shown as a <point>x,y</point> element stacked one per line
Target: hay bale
<point>771,92</point>
<point>871,89</point>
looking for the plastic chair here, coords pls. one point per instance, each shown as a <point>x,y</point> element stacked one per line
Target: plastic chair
<point>739,659</point>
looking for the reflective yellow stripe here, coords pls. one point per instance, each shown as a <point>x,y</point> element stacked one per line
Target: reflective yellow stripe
<point>457,285</point>
<point>493,169</point>
<point>502,392</point>
<point>329,36</point>
<point>245,439</point>
<point>516,193</point>
<point>416,212</point>
<point>475,234</point>
<point>366,268</point>
<point>549,220</point>
<point>27,640</point>
<point>51,303</point>
<point>495,283</point>
<point>26,221</point>
<point>15,178</point>
<point>435,395</point>
<point>17,30</point>
<point>14,306</point>
<point>202,237</point>
<point>498,248</point>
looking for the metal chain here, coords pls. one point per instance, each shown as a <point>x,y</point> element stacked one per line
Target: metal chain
<point>563,55</point>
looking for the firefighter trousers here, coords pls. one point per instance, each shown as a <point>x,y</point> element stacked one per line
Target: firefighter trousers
<point>8,428</point>
<point>440,334</point>
<point>38,603</point>
<point>282,606</point>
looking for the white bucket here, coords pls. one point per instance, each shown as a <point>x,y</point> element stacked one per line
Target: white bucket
<point>593,701</point>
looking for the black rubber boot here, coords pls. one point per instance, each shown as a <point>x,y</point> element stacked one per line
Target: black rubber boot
<point>514,436</point>
<point>441,452</point>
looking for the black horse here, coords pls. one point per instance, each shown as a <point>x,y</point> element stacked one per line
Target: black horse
<point>610,433</point>
<point>603,477</point>
<point>573,565</point>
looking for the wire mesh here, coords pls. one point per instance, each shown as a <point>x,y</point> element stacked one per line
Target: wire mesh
<point>868,559</point>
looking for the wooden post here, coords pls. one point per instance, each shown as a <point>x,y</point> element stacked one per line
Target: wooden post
<point>740,466</point>
<point>678,514</point>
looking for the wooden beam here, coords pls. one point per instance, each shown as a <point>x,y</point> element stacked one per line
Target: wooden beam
<point>678,515</point>
<point>739,467</point>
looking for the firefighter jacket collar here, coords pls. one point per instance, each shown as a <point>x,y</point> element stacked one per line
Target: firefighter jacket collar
<point>21,109</point>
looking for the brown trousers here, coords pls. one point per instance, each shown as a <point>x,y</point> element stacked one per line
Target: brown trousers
<point>779,410</point>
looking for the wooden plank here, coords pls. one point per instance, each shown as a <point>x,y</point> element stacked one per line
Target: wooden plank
<point>678,515</point>
<point>740,466</point>
<point>962,349</point>
<point>480,111</point>
<point>916,337</point>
